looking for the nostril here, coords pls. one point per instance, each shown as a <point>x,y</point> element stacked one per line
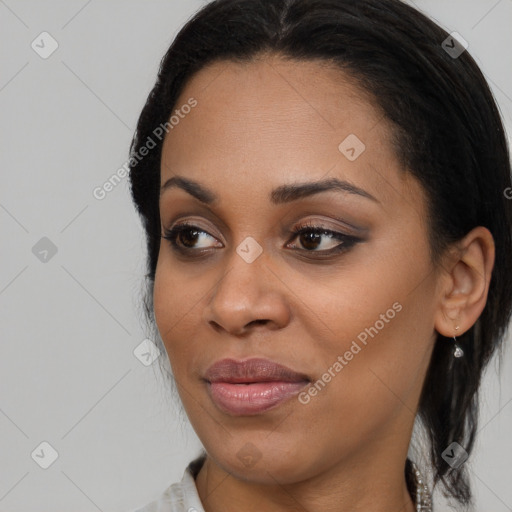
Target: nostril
<point>259,322</point>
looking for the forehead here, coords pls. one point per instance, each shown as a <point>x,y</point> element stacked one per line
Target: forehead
<point>270,121</point>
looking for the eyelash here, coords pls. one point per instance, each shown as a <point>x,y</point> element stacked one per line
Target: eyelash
<point>347,241</point>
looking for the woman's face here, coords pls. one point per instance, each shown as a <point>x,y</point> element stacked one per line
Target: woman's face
<point>354,313</point>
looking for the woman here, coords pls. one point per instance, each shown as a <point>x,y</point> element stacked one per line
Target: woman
<point>329,240</point>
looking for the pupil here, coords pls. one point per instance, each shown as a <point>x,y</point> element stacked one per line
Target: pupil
<point>311,238</point>
<point>194,237</point>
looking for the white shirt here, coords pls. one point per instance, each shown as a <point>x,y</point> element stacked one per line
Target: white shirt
<point>181,496</point>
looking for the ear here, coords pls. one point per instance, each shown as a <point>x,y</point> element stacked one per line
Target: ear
<point>464,285</point>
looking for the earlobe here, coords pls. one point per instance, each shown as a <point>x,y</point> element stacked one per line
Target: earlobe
<point>466,277</point>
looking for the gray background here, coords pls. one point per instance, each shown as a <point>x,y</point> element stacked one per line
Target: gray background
<point>70,324</point>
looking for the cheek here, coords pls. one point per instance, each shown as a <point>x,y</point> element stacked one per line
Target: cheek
<point>177,300</point>
<point>373,332</point>
<point>378,361</point>
<point>173,293</point>
<point>369,381</point>
<point>171,301</point>
<point>164,298</point>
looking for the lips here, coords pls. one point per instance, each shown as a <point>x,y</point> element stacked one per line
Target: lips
<point>242,388</point>
<point>252,370</point>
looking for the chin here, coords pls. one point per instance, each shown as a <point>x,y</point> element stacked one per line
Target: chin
<point>265,466</point>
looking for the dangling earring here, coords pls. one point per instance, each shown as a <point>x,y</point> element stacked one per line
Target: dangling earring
<point>458,352</point>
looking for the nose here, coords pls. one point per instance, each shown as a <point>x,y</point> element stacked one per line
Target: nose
<point>248,296</point>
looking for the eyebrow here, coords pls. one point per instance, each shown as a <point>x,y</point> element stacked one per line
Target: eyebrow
<point>280,195</point>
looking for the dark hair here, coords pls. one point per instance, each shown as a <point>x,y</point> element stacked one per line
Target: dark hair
<point>447,132</point>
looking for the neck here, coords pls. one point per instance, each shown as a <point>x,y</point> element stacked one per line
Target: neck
<point>350,485</point>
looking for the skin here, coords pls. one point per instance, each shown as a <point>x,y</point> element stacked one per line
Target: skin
<point>258,126</point>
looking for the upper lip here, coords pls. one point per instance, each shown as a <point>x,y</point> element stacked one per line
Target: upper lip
<point>252,370</point>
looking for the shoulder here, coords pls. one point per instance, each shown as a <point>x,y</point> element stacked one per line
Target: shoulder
<point>180,496</point>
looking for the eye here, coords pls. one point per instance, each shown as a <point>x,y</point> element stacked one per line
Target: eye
<point>310,237</point>
<point>187,235</point>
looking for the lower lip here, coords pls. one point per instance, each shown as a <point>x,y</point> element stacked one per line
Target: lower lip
<point>254,398</point>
